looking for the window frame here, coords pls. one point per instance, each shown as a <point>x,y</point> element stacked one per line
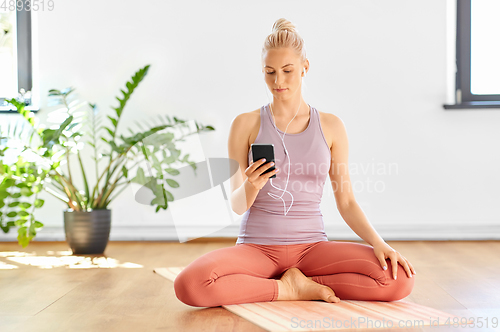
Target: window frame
<point>24,43</point>
<point>463,96</point>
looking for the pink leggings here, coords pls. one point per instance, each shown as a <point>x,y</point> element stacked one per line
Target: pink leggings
<point>247,273</point>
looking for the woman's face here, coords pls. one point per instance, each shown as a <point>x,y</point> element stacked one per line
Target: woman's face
<point>282,69</point>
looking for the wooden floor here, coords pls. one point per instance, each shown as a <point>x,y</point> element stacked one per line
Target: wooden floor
<point>43,288</point>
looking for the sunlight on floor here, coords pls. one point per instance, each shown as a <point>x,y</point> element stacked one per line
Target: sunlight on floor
<point>61,259</point>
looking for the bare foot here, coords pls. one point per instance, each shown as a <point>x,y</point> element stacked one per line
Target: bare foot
<point>295,286</point>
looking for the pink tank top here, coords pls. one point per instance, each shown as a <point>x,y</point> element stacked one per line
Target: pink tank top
<point>264,222</point>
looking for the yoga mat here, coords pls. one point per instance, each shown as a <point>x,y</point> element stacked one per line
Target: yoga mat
<point>319,315</point>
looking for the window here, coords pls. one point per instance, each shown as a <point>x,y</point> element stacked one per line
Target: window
<point>16,65</point>
<point>477,55</point>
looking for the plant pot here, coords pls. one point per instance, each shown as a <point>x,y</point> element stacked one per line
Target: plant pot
<point>87,232</point>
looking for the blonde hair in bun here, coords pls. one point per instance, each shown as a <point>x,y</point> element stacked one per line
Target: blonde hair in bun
<point>285,35</point>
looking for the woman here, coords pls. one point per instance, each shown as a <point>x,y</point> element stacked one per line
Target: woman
<point>282,251</point>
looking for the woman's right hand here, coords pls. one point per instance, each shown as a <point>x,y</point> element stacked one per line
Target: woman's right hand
<point>255,176</point>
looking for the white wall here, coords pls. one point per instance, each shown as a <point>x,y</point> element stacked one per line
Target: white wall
<point>382,66</point>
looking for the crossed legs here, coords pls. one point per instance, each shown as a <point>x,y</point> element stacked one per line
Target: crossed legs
<point>232,275</point>
<point>354,273</point>
<point>248,273</point>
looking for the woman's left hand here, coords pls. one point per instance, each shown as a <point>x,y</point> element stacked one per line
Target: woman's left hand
<point>382,251</point>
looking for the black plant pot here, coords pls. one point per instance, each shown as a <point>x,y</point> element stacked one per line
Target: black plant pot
<point>87,232</point>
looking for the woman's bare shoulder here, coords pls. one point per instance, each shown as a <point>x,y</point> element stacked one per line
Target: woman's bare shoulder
<point>329,125</point>
<point>248,123</point>
<point>329,116</point>
<point>247,120</point>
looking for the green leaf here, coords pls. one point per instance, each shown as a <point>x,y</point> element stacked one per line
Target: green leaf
<point>169,195</point>
<point>8,182</point>
<point>20,222</point>
<point>12,214</point>
<point>22,231</point>
<point>111,132</point>
<point>131,86</point>
<point>25,205</point>
<point>54,92</point>
<point>39,202</point>
<point>23,214</point>
<point>26,192</point>
<point>64,125</point>
<point>37,188</point>
<point>22,238</point>
<point>7,226</point>
<point>140,177</point>
<point>67,91</point>
<point>125,171</point>
<point>32,230</point>
<point>172,183</point>
<point>71,126</point>
<point>172,171</point>
<point>115,121</point>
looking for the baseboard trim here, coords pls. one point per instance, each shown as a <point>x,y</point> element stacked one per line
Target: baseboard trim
<point>389,232</point>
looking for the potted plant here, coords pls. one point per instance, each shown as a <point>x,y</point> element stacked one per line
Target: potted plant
<point>45,150</point>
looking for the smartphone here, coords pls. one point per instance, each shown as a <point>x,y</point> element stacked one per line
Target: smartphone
<point>263,150</point>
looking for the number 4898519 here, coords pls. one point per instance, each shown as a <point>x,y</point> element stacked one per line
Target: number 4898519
<point>479,322</point>
<point>27,5</point>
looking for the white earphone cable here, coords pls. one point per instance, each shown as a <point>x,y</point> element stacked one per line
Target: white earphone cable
<point>285,211</point>
<point>288,156</point>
